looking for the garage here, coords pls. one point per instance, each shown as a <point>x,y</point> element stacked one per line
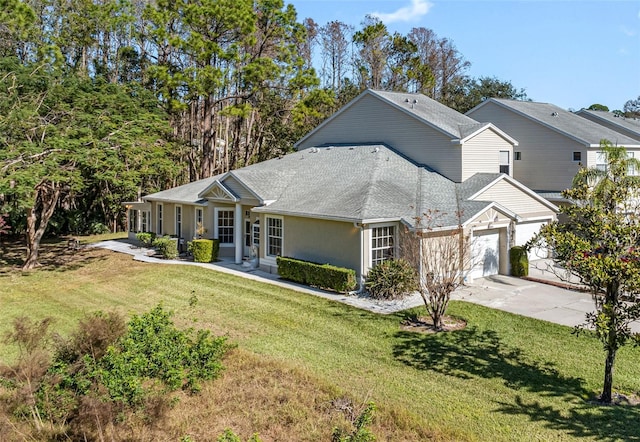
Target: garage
<point>526,231</point>
<point>486,253</point>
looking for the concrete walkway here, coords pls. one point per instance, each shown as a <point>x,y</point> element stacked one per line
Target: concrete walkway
<point>544,301</point>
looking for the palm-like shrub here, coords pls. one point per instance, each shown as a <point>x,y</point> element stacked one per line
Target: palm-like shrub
<point>392,279</point>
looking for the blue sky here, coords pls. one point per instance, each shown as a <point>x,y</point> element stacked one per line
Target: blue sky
<point>567,52</point>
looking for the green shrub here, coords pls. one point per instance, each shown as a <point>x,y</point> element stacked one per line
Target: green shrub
<point>98,228</point>
<point>167,246</point>
<point>519,261</point>
<point>146,238</point>
<point>324,276</point>
<point>391,279</point>
<point>204,250</point>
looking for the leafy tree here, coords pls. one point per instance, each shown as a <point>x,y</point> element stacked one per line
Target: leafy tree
<point>66,135</point>
<point>466,93</point>
<point>632,108</point>
<point>599,245</point>
<point>372,46</point>
<point>598,107</point>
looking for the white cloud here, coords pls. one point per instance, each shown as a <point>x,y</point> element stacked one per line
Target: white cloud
<point>416,10</point>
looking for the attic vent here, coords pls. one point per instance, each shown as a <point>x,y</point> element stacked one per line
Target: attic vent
<point>415,101</point>
<point>376,149</point>
<point>554,114</point>
<point>313,150</point>
<point>406,100</point>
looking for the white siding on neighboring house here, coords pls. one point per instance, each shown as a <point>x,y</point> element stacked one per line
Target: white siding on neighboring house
<point>481,154</point>
<point>371,120</point>
<point>514,199</point>
<point>546,156</point>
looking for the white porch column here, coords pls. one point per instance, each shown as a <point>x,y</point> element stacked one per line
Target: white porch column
<point>238,223</point>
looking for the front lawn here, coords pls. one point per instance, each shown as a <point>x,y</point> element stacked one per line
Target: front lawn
<point>504,377</point>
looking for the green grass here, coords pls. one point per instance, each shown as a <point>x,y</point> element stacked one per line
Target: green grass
<point>504,377</point>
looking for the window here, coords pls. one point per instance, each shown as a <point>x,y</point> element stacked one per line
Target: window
<point>179,221</point>
<point>199,226</point>
<point>160,226</point>
<point>382,244</point>
<point>601,161</point>
<point>146,218</point>
<point>274,236</point>
<point>225,225</point>
<point>256,233</point>
<point>517,156</point>
<point>577,156</point>
<point>504,161</point>
<point>133,220</point>
<point>247,232</point>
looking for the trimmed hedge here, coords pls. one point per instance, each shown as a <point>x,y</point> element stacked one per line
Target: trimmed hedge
<point>204,250</point>
<point>324,276</point>
<point>167,246</point>
<point>519,261</point>
<point>146,238</point>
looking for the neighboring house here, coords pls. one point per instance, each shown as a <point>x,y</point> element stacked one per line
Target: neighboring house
<point>626,126</point>
<point>348,202</point>
<point>553,143</point>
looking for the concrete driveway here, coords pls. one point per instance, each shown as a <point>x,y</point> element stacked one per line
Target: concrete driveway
<point>529,298</point>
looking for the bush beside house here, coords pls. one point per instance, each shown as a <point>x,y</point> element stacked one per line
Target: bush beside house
<point>519,261</point>
<point>167,246</point>
<point>391,279</point>
<point>325,276</point>
<point>204,250</point>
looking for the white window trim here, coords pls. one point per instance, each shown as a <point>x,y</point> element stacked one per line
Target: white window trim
<point>160,219</point>
<point>215,225</point>
<point>197,210</point>
<point>395,240</point>
<point>175,216</point>
<point>266,235</point>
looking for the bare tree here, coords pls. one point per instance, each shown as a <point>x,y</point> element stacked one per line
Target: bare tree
<point>336,41</point>
<point>441,258</point>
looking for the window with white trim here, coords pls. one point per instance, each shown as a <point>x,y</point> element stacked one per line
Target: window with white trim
<point>146,220</point>
<point>382,244</point>
<point>274,236</point>
<point>160,230</point>
<point>179,221</point>
<point>133,220</point>
<point>504,161</point>
<point>225,225</point>
<point>199,221</point>
<point>256,233</point>
<point>631,171</point>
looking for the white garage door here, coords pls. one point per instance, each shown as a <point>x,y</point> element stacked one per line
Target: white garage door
<point>486,253</point>
<point>526,231</point>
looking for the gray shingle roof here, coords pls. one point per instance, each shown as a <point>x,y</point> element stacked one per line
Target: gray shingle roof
<point>568,123</point>
<point>357,183</point>
<point>187,193</point>
<point>436,114</point>
<point>629,124</point>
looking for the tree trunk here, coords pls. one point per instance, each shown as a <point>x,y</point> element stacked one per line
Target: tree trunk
<point>38,216</point>
<point>605,397</point>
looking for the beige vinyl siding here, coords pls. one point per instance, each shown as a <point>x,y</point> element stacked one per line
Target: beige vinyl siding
<point>514,199</point>
<point>321,241</point>
<point>547,156</point>
<point>591,156</point>
<point>481,154</point>
<point>371,120</point>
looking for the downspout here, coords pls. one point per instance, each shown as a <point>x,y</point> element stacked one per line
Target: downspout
<point>238,223</point>
<point>361,287</point>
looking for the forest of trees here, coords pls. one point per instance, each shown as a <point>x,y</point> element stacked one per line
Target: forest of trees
<point>102,101</point>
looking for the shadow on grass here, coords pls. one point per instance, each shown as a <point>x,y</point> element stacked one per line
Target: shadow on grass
<point>473,353</point>
<point>54,255</point>
<point>603,423</point>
